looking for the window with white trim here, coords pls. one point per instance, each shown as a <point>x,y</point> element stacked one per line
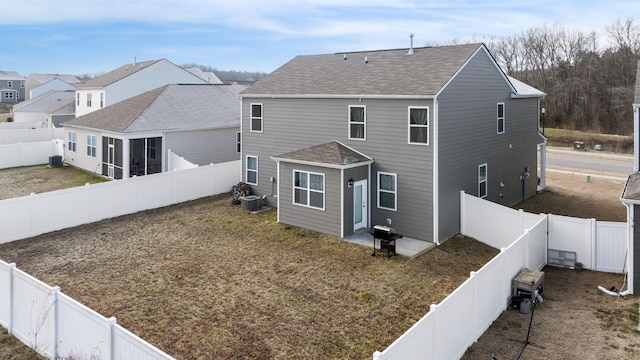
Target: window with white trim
<point>8,95</point>
<point>152,148</point>
<point>91,145</point>
<point>88,99</point>
<point>387,191</point>
<point>500,116</point>
<point>9,84</point>
<point>256,118</point>
<point>419,125</point>
<point>357,122</point>
<point>101,100</point>
<point>22,84</point>
<point>308,189</point>
<point>238,142</point>
<point>77,99</point>
<point>482,181</point>
<point>251,176</point>
<point>72,141</point>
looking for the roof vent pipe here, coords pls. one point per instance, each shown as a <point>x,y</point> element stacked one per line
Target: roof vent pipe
<point>366,60</point>
<point>344,56</point>
<point>411,47</point>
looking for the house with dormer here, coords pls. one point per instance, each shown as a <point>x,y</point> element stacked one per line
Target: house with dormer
<point>128,81</point>
<point>342,142</point>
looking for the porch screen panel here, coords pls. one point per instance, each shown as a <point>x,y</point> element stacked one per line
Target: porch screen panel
<point>105,155</point>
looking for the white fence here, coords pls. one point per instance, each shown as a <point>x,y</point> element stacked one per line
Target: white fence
<point>30,153</point>
<point>450,327</point>
<point>56,325</point>
<point>30,135</point>
<point>29,216</point>
<point>20,125</point>
<point>175,162</point>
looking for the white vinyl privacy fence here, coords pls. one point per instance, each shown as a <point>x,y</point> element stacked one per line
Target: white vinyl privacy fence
<point>15,136</point>
<point>29,153</point>
<point>37,214</point>
<point>451,326</point>
<point>59,327</point>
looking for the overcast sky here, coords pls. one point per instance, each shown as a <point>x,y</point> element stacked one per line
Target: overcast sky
<point>89,36</point>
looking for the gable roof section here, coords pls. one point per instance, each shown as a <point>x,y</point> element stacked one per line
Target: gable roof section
<point>333,154</point>
<point>384,73</point>
<point>169,107</point>
<point>45,101</point>
<point>44,78</point>
<point>10,75</point>
<point>208,76</point>
<point>117,74</point>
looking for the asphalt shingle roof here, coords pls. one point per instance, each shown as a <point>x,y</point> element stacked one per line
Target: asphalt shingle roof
<point>45,100</point>
<point>170,107</point>
<point>331,153</point>
<point>385,72</point>
<point>10,75</point>
<point>44,78</point>
<point>117,74</point>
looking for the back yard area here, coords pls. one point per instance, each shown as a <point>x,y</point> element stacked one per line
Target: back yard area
<point>205,279</point>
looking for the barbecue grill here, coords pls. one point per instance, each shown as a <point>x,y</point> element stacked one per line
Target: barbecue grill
<point>384,240</point>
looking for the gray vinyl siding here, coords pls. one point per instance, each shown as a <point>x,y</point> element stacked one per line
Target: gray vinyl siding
<point>204,147</point>
<point>636,249</point>
<point>327,220</point>
<point>467,138</point>
<point>293,124</point>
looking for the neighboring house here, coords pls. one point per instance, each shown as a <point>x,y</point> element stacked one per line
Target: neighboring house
<point>207,76</point>
<point>48,109</point>
<point>38,84</point>
<point>631,198</point>
<point>11,87</point>
<point>200,123</point>
<point>128,81</point>
<point>342,142</point>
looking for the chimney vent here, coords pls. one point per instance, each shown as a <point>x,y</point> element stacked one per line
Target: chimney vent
<point>366,60</point>
<point>411,47</point>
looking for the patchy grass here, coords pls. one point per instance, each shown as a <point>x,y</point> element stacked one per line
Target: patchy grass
<point>22,181</point>
<point>612,143</point>
<point>12,349</point>
<point>206,279</point>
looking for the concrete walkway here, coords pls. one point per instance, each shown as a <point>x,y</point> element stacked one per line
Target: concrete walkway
<point>405,246</point>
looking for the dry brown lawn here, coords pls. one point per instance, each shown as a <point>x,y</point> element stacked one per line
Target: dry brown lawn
<point>204,279</point>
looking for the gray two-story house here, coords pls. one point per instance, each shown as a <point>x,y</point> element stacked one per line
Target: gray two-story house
<point>342,142</point>
<point>11,87</point>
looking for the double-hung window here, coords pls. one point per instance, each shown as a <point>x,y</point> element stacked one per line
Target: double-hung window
<point>72,141</point>
<point>77,99</point>
<point>256,117</point>
<point>387,190</point>
<point>9,84</point>
<point>308,189</point>
<point>252,170</point>
<point>500,116</point>
<point>101,100</point>
<point>88,99</point>
<point>419,125</point>
<point>357,122</point>
<point>238,142</point>
<point>482,181</point>
<point>91,145</point>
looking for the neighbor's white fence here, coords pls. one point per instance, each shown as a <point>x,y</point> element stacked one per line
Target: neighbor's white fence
<point>20,125</point>
<point>30,153</point>
<point>599,245</point>
<point>175,162</point>
<point>36,214</point>
<point>461,318</point>
<point>30,135</point>
<point>58,326</point>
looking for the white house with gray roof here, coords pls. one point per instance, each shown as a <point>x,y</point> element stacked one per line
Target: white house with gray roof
<point>128,81</point>
<point>46,110</point>
<point>342,142</point>
<point>200,123</point>
<point>12,87</point>
<point>38,84</point>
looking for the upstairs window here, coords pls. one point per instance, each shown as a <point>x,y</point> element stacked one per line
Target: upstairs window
<point>22,84</point>
<point>500,114</point>
<point>88,99</point>
<point>91,145</point>
<point>357,122</point>
<point>256,117</point>
<point>419,125</point>
<point>387,193</point>
<point>482,181</point>
<point>101,100</point>
<point>72,141</point>
<point>252,170</point>
<point>308,189</point>
<point>77,99</point>
<point>9,84</point>
<point>238,142</point>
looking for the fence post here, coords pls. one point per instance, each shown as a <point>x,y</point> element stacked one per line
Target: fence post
<point>592,245</point>
<point>55,291</point>
<point>463,228</point>
<point>111,322</point>
<point>472,276</point>
<point>12,268</point>
<point>434,308</point>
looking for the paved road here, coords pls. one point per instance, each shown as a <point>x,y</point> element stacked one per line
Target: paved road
<point>590,160</point>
